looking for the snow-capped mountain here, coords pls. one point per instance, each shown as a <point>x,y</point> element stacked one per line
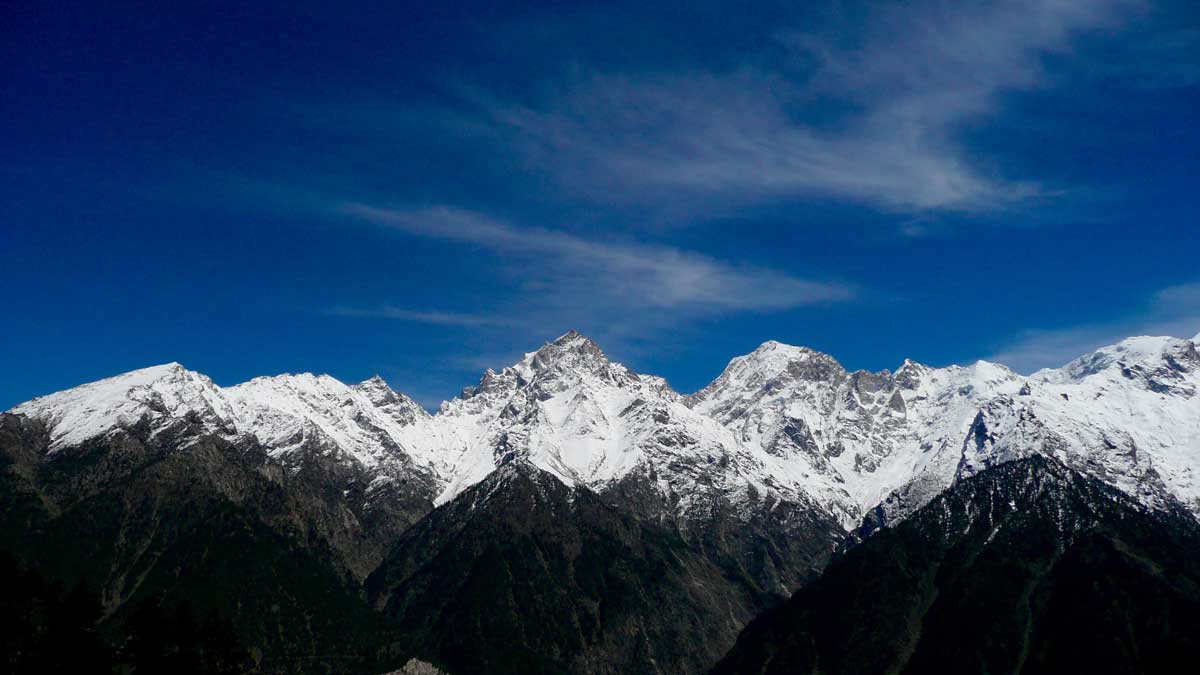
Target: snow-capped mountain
<point>781,423</point>
<point>368,422</point>
<point>163,396</point>
<point>570,411</point>
<point>848,438</point>
<point>367,426</point>
<point>1128,414</point>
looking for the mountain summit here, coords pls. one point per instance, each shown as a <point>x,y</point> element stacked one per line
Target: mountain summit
<point>781,423</point>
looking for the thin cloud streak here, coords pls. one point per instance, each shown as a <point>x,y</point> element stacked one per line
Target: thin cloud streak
<point>1181,297</point>
<point>566,268</point>
<point>433,317</point>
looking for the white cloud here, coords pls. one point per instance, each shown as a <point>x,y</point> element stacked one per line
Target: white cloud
<point>1185,297</point>
<point>563,269</point>
<point>917,76</point>
<point>434,317</point>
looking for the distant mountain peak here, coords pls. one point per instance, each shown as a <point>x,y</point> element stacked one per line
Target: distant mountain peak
<point>1144,354</point>
<point>569,336</point>
<point>570,361</point>
<point>167,392</point>
<point>374,381</point>
<point>142,376</point>
<point>400,407</point>
<point>572,346</point>
<point>776,349</point>
<point>910,373</point>
<point>561,363</point>
<point>378,390</point>
<point>771,364</point>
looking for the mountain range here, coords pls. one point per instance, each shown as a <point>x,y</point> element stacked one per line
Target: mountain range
<point>564,514</point>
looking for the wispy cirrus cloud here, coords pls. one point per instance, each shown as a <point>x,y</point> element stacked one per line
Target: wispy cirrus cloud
<point>1183,297</point>
<point>1173,311</point>
<point>432,317</point>
<point>914,79</point>
<point>562,269</point>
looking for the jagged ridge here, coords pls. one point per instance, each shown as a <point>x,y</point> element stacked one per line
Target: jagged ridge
<point>782,423</point>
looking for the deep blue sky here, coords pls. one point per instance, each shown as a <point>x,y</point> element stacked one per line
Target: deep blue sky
<point>423,191</point>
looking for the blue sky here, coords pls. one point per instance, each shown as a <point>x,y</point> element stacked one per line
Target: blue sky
<point>424,192</point>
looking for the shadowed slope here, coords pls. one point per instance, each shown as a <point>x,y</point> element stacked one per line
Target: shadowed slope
<point>1028,567</point>
<point>521,573</point>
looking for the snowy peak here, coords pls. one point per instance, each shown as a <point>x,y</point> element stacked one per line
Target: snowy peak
<point>774,360</point>
<point>783,421</point>
<point>1132,349</point>
<point>569,359</point>
<point>571,346</point>
<point>163,394</point>
<point>376,427</point>
<point>557,365</point>
<point>1127,414</point>
<point>1156,363</point>
<point>376,388</point>
<point>848,439</point>
<point>571,412</point>
<point>910,374</point>
<point>370,425</point>
<point>571,363</point>
<point>769,370</point>
<point>396,405</point>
